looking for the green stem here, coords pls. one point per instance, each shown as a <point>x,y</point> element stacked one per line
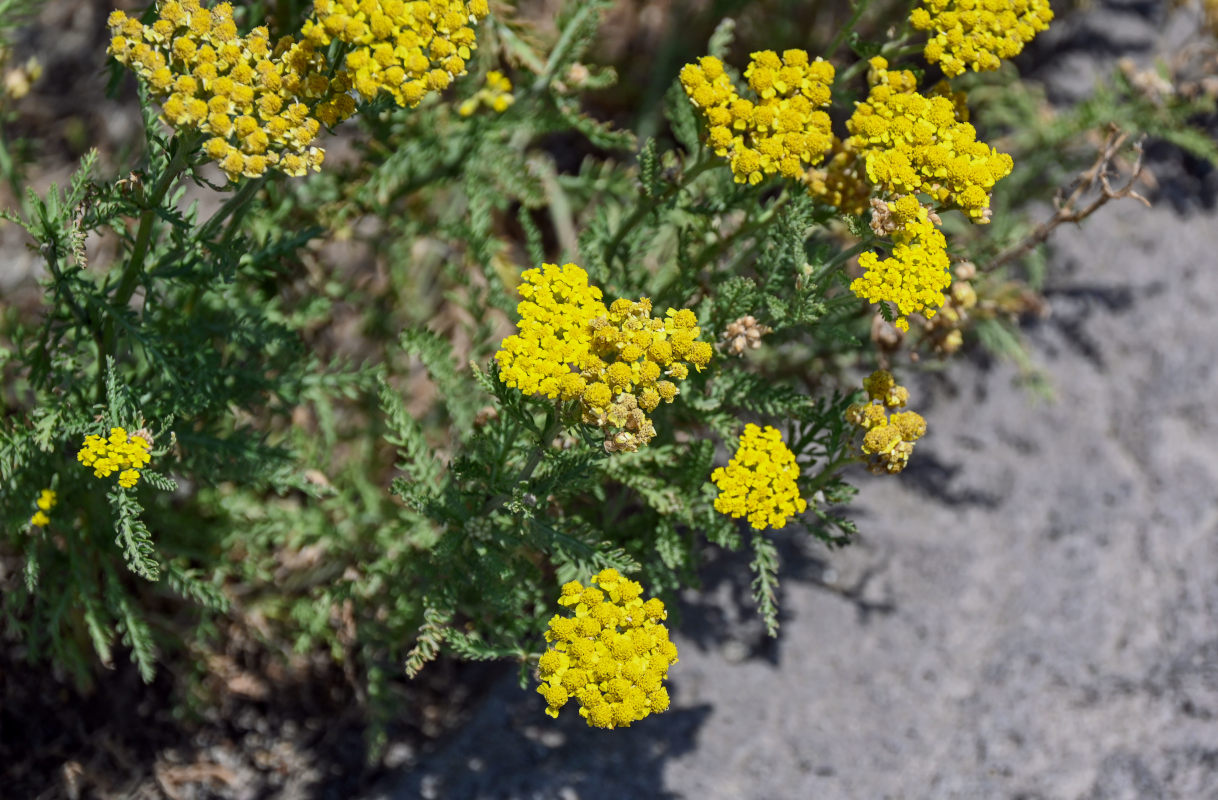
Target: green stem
<point>130,278</point>
<point>552,427</point>
<point>650,204</point>
<point>747,229</point>
<point>841,258</point>
<point>859,8</point>
<point>231,206</point>
<point>893,51</point>
<point>828,473</point>
<point>565,43</point>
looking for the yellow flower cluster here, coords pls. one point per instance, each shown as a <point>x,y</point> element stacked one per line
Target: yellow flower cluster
<point>612,656</point>
<point>914,277</point>
<point>120,453</point>
<point>978,34</point>
<point>783,131</point>
<point>889,439</point>
<point>841,182</point>
<point>615,361</point>
<point>759,481</point>
<point>260,105</point>
<point>401,47</point>
<point>46,501</point>
<point>495,95</point>
<point>914,144</point>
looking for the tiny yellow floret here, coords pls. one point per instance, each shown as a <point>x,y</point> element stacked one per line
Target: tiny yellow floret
<point>495,95</point>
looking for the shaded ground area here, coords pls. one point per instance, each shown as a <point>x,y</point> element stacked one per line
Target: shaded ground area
<point>1030,612</point>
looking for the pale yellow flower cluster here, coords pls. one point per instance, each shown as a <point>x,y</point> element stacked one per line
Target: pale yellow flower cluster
<point>260,104</point>
<point>978,34</point>
<point>403,48</point>
<point>888,441</point>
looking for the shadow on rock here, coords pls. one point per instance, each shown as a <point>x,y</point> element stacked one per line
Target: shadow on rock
<point>510,749</point>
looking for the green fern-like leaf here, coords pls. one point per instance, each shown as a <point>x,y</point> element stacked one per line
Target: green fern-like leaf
<point>132,535</point>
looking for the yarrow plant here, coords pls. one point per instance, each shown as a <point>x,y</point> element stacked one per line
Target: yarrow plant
<point>612,655</point>
<point>419,399</point>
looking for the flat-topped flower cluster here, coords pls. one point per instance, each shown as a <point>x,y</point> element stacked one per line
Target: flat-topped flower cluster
<point>120,453</point>
<point>612,656</point>
<point>783,131</point>
<point>402,49</point>
<point>912,145</point>
<point>759,482</point>
<point>618,362</point>
<point>260,105</point>
<point>978,34</point>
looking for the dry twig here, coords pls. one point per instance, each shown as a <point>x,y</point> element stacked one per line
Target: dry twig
<point>1068,209</point>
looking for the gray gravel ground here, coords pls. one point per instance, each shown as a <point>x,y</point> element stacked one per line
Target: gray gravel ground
<point>1032,610</point>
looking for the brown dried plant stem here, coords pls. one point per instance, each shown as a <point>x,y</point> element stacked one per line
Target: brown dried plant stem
<point>1068,209</point>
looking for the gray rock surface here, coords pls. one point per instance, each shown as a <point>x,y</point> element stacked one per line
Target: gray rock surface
<point>1031,611</point>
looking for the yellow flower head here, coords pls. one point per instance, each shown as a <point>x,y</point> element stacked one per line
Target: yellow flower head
<point>781,133</point>
<point>842,181</point>
<point>888,440</point>
<point>496,95</point>
<point>612,655</point>
<point>978,34</point>
<point>118,452</point>
<point>914,277</point>
<point>261,104</point>
<point>613,360</point>
<point>404,49</point>
<point>47,499</point>
<point>914,144</point>
<point>760,480</point>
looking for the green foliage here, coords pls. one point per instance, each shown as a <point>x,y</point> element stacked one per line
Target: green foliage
<point>333,452</point>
